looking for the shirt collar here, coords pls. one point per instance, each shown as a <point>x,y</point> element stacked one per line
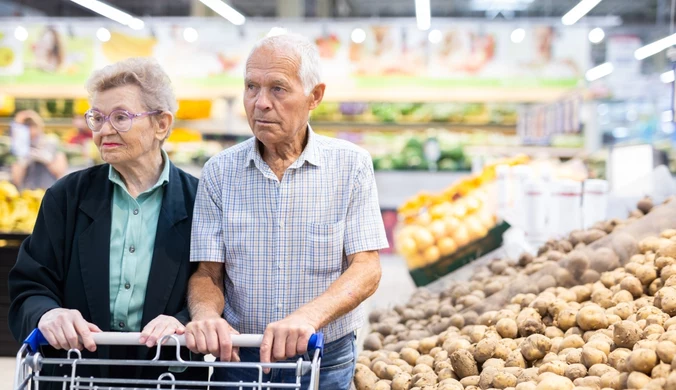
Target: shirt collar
<point>311,153</point>
<point>114,175</point>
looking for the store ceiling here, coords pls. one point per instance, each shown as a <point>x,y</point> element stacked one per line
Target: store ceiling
<point>631,11</point>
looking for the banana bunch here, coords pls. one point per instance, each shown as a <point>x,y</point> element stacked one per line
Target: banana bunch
<point>18,210</point>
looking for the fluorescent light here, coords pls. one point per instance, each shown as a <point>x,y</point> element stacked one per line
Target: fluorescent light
<point>434,36</point>
<point>225,11</point>
<point>518,35</point>
<point>103,34</point>
<point>667,116</point>
<point>190,34</point>
<point>20,33</point>
<point>500,5</point>
<point>596,35</point>
<point>599,71</point>
<point>112,13</point>
<point>358,35</point>
<point>668,77</point>
<point>423,14</point>
<point>655,47</point>
<point>580,10</point>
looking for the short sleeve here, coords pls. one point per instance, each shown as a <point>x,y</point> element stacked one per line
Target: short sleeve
<point>206,240</point>
<point>364,228</point>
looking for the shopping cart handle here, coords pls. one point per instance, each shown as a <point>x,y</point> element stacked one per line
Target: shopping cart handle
<point>36,339</point>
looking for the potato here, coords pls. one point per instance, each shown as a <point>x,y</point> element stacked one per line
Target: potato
<point>535,347</point>
<point>553,332</point>
<point>486,377</point>
<point>593,382</point>
<point>626,334</point>
<point>601,369</point>
<point>574,356</point>
<point>611,380</point>
<point>503,380</point>
<point>638,380</point>
<point>422,368</point>
<point>665,299</point>
<point>591,356</point>
<point>507,328</point>
<point>401,381</point>
<point>641,360</point>
<point>666,350</point>
<point>364,378</point>
<point>424,379</point>
<point>633,285</point>
<point>618,357</point>
<point>464,364</point>
<point>373,342</point>
<point>572,341</point>
<point>646,274</point>
<point>470,381</point>
<point>410,355</point>
<point>590,276</point>
<point>449,384</point>
<point>383,385</point>
<point>555,382</point>
<point>591,317</point>
<point>515,359</point>
<point>574,371</point>
<point>555,367</point>
<point>526,386</point>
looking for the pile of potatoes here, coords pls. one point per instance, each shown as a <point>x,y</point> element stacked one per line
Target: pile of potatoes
<point>598,322</point>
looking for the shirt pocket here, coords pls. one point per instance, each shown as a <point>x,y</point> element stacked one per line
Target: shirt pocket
<point>325,244</point>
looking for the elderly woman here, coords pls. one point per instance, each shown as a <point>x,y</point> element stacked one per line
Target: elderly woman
<point>110,249</point>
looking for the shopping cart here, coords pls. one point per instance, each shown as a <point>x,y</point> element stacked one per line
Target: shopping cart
<point>30,363</point>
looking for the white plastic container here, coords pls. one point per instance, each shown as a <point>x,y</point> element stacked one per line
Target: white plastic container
<point>594,202</point>
<point>520,174</point>
<point>502,190</point>
<point>535,198</point>
<point>565,207</point>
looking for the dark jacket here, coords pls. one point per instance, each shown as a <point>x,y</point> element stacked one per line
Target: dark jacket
<point>65,262</point>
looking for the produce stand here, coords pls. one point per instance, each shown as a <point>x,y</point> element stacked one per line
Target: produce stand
<point>9,249</point>
<point>465,255</point>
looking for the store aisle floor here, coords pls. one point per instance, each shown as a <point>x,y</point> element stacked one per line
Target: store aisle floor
<point>395,287</point>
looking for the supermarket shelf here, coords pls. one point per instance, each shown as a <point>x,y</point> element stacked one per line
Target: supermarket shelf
<point>334,92</point>
<point>357,126</point>
<point>532,151</point>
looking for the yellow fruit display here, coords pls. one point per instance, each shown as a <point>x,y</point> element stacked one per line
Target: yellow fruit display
<point>122,46</point>
<point>6,56</point>
<point>18,210</point>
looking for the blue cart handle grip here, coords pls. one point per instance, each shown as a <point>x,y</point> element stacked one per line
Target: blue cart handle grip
<point>317,342</point>
<point>35,340</point>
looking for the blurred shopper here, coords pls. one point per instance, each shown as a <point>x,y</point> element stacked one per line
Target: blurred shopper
<point>110,249</point>
<point>43,163</point>
<point>286,229</point>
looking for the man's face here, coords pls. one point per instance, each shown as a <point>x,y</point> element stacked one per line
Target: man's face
<point>276,106</point>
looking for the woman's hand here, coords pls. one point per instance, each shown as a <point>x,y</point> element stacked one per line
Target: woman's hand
<point>160,327</point>
<point>66,329</point>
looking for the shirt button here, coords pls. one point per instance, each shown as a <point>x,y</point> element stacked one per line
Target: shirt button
<point>127,286</point>
<point>280,306</point>
<point>281,224</point>
<point>135,211</point>
<point>132,249</point>
<point>280,265</point>
<point>121,324</point>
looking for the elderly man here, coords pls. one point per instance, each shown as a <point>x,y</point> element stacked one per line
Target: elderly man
<point>286,228</point>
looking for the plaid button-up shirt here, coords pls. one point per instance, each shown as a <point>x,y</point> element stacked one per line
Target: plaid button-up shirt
<point>283,243</point>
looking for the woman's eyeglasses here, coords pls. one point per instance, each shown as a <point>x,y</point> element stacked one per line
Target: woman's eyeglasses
<point>120,120</point>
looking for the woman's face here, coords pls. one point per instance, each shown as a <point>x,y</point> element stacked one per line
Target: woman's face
<point>143,138</point>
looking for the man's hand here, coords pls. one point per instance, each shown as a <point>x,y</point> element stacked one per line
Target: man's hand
<point>63,329</point>
<point>285,339</point>
<point>159,327</point>
<point>211,335</point>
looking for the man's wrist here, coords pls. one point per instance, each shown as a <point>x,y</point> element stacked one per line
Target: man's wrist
<point>206,315</point>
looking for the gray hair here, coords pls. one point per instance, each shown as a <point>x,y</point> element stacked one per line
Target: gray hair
<point>146,73</point>
<point>309,71</point>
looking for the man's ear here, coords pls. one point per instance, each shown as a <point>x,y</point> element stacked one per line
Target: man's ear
<point>317,95</point>
<point>164,122</point>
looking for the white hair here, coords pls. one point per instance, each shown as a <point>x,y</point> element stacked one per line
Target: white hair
<point>309,71</point>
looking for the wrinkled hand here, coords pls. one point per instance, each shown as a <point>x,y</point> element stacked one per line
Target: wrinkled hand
<point>285,339</point>
<point>212,336</point>
<point>66,329</point>
<point>159,327</point>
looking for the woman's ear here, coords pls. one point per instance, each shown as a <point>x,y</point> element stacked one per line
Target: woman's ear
<point>164,122</point>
